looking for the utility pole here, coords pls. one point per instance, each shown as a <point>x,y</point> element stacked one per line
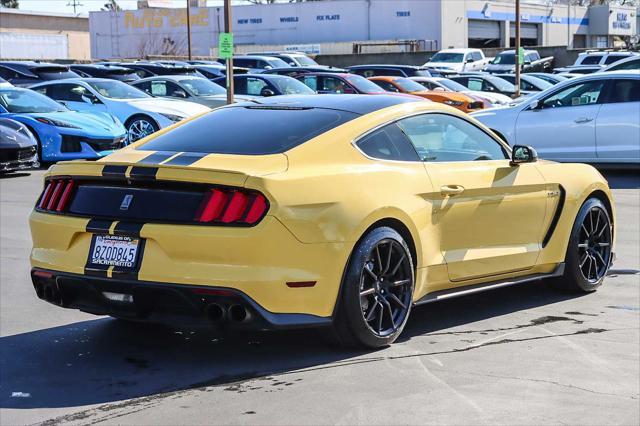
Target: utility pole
<point>517,61</point>
<point>229,61</point>
<point>189,28</point>
<point>74,4</point>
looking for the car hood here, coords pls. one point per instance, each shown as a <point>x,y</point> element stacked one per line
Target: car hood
<point>443,65</point>
<point>168,106</point>
<point>494,98</point>
<point>83,120</point>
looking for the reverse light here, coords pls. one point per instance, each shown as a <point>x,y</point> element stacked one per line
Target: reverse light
<point>232,206</point>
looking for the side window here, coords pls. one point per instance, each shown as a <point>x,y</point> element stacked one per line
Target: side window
<point>311,82</point>
<point>67,92</point>
<point>391,72</point>
<point>146,86</point>
<point>475,84</point>
<point>386,86</point>
<point>441,137</point>
<point>255,86</point>
<point>613,58</point>
<point>42,90</point>
<point>587,93</point>
<point>591,60</point>
<point>159,88</point>
<point>333,85</point>
<point>624,91</point>
<point>462,80</point>
<point>366,73</point>
<point>142,73</point>
<point>9,74</point>
<point>175,91</point>
<point>388,143</point>
<point>525,85</point>
<point>477,56</point>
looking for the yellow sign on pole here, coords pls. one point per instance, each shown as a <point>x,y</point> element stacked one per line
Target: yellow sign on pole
<point>225,45</point>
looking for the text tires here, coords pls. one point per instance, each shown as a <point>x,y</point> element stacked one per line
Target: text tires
<point>377,291</point>
<point>589,252</point>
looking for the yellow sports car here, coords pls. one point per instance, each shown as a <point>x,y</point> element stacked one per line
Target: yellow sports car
<point>341,211</point>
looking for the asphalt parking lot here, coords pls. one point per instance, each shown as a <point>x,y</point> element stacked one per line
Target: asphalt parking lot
<point>521,355</point>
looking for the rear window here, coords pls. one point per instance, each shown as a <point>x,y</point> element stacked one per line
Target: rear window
<point>591,60</point>
<point>273,130</point>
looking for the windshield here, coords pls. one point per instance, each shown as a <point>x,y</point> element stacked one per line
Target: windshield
<point>202,87</point>
<point>277,63</point>
<point>117,90</point>
<point>272,130</point>
<point>363,85</point>
<point>502,84</point>
<point>25,101</point>
<point>305,61</point>
<point>291,86</point>
<point>447,57</point>
<point>452,85</point>
<point>505,59</point>
<point>409,85</point>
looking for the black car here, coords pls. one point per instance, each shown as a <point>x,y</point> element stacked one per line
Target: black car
<point>150,69</point>
<point>26,73</point>
<point>18,147</point>
<point>265,85</point>
<point>485,83</point>
<point>391,70</point>
<point>505,62</point>
<point>296,71</point>
<point>102,71</point>
<point>212,71</point>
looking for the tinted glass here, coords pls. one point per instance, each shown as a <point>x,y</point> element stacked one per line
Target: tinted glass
<point>388,143</point>
<point>587,93</point>
<point>613,58</point>
<point>625,91</point>
<point>477,56</point>
<point>505,59</point>
<point>440,137</point>
<point>447,57</point>
<point>202,87</point>
<point>627,65</point>
<point>311,81</point>
<point>117,90</point>
<point>386,86</point>
<point>452,85</point>
<point>408,85</point>
<point>67,92</point>
<point>290,86</point>
<point>54,74</point>
<point>591,60</point>
<point>272,130</point>
<point>22,101</point>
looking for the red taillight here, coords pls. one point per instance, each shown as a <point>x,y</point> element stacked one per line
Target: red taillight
<point>56,195</point>
<point>231,207</point>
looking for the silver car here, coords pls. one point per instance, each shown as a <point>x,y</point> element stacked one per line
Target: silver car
<point>184,87</point>
<point>140,113</point>
<point>594,119</point>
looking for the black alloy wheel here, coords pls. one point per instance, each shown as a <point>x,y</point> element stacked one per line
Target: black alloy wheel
<point>377,291</point>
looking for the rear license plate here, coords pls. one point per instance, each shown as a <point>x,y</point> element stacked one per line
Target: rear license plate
<point>114,250</point>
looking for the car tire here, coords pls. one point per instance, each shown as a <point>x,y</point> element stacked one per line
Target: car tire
<point>140,126</point>
<point>377,291</point>
<point>589,252</point>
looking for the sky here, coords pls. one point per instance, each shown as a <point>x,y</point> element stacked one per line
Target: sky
<point>89,5</point>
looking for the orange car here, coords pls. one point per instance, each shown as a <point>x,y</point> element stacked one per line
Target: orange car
<point>404,85</point>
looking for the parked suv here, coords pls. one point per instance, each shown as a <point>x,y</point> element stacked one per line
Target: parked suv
<point>594,61</point>
<point>26,73</point>
<point>457,60</point>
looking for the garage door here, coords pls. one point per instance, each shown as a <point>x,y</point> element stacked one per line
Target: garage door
<point>484,29</point>
<point>526,30</point>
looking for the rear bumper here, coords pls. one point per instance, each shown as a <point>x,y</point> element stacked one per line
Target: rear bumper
<point>164,303</point>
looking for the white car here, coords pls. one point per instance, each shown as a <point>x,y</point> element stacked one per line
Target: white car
<point>457,60</point>
<point>594,119</point>
<point>141,114</point>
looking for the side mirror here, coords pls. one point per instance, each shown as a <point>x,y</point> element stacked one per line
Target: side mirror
<point>470,60</point>
<point>527,62</point>
<point>180,94</point>
<point>536,104</point>
<point>90,99</point>
<point>523,154</point>
<point>267,92</point>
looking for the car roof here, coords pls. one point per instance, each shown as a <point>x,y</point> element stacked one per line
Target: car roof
<point>357,104</point>
<point>169,77</point>
<point>98,67</point>
<point>328,73</point>
<point>75,81</point>
<point>459,50</point>
<point>356,67</point>
<point>254,57</point>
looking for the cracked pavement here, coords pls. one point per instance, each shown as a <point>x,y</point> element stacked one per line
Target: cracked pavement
<point>519,355</point>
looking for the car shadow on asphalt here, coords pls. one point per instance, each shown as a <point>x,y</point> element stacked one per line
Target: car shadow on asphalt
<point>104,360</point>
<point>622,179</point>
<point>13,175</point>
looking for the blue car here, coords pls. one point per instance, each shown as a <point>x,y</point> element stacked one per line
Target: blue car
<point>62,134</point>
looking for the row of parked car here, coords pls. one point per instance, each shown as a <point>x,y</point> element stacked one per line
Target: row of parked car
<point>89,110</point>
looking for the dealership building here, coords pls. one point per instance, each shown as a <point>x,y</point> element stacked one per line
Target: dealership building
<point>328,26</point>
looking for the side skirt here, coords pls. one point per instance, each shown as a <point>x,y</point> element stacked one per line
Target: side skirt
<point>477,288</point>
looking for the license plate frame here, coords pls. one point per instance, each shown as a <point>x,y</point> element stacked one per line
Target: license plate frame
<point>101,256</point>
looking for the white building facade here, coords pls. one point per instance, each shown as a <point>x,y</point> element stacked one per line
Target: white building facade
<point>435,23</point>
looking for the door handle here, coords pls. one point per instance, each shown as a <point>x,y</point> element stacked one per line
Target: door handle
<point>450,190</point>
<point>582,120</point>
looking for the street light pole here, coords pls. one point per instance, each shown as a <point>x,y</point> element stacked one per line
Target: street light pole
<point>517,61</point>
<point>229,61</point>
<point>189,28</point>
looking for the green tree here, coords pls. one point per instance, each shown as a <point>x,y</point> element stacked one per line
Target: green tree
<point>12,4</point>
